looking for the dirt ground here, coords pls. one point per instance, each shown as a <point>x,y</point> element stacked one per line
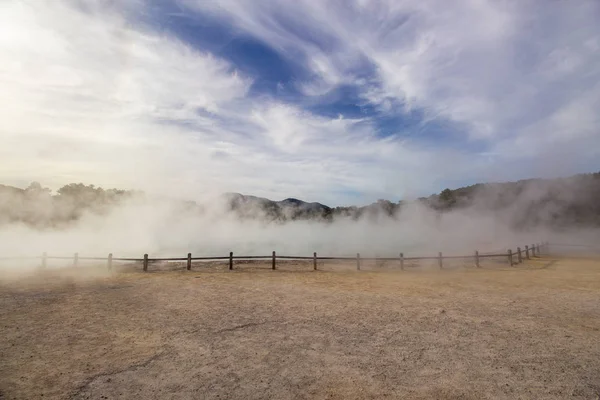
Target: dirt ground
<point>530,331</point>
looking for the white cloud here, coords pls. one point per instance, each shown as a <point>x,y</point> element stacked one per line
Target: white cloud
<point>85,95</point>
<point>91,94</point>
<point>495,67</point>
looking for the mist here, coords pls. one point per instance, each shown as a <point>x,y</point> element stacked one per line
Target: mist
<point>136,224</point>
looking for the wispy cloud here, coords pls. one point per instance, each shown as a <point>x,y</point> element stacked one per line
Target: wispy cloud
<point>497,67</point>
<point>103,94</point>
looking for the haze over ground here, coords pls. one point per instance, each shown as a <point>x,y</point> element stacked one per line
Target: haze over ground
<point>489,218</point>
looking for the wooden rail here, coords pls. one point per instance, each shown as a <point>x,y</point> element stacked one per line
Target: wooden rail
<point>513,258</point>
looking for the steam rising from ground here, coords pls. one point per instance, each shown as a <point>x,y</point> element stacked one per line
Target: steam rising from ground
<point>164,228</point>
<point>489,218</point>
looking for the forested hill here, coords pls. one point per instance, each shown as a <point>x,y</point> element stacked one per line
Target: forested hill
<point>37,206</point>
<point>572,201</point>
<point>556,202</point>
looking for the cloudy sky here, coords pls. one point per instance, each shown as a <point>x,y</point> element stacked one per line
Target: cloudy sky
<point>342,101</point>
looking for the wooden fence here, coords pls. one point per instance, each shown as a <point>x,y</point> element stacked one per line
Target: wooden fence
<point>577,250</point>
<point>535,250</point>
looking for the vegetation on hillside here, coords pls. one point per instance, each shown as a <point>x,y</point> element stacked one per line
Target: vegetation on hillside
<point>37,206</point>
<point>555,202</point>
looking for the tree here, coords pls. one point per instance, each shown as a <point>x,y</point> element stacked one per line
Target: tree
<point>447,198</point>
<point>35,189</point>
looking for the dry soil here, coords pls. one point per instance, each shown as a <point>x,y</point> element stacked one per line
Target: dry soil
<point>530,331</point>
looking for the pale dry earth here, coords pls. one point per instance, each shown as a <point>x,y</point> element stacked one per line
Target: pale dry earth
<point>530,331</point>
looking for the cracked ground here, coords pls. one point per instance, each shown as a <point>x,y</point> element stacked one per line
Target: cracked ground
<point>527,332</point>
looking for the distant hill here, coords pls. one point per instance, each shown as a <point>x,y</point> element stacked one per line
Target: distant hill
<point>288,209</point>
<point>36,206</point>
<point>563,202</point>
<point>555,202</point>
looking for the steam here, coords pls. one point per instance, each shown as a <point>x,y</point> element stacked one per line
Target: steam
<point>137,224</point>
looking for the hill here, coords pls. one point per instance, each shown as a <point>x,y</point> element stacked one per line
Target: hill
<point>562,202</point>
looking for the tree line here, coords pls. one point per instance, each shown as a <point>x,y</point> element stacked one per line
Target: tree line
<point>37,206</point>
<point>561,202</point>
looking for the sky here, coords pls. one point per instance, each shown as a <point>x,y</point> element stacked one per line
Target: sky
<point>342,102</point>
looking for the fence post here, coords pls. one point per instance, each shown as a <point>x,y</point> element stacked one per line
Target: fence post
<point>75,259</point>
<point>189,262</point>
<point>477,259</point>
<point>440,259</point>
<point>358,261</point>
<point>527,252</point>
<point>519,255</point>
<point>231,260</point>
<point>273,266</point>
<point>510,258</point>
<point>44,260</point>
<point>110,256</point>
<point>402,261</point>
<point>145,267</point>
<point>315,260</point>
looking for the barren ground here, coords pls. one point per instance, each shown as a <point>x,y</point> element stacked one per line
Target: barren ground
<point>526,332</point>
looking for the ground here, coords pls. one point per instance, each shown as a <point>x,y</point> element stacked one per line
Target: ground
<point>530,331</point>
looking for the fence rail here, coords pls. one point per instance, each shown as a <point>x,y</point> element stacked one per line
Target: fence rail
<point>512,258</point>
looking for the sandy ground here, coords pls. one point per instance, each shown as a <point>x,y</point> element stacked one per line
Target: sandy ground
<point>525,332</point>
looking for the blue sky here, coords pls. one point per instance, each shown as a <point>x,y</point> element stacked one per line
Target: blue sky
<point>334,101</point>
